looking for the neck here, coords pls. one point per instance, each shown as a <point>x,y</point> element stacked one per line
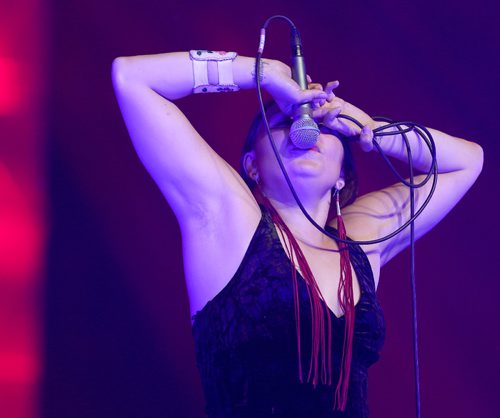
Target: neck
<point>316,205</point>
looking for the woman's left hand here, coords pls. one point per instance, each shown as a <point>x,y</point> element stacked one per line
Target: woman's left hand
<point>327,110</point>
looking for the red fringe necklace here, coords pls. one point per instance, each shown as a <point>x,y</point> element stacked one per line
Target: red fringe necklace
<point>321,341</point>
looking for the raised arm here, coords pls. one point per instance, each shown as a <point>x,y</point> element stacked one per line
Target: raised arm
<point>193,178</point>
<point>187,170</point>
<point>378,213</point>
<point>459,164</point>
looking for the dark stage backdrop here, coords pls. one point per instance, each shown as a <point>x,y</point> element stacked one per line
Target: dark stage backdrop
<point>118,340</point>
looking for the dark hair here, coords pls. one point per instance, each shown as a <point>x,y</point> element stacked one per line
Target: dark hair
<point>348,193</point>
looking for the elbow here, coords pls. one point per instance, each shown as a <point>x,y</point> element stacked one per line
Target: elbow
<point>473,161</point>
<point>477,158</point>
<point>120,71</point>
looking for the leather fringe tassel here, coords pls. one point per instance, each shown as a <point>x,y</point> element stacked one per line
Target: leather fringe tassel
<point>320,343</point>
<point>321,336</point>
<point>346,301</point>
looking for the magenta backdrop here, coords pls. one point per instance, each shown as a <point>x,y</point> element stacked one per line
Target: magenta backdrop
<point>118,340</point>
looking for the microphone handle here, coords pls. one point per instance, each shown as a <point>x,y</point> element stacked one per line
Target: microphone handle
<point>299,76</point>
<point>299,71</point>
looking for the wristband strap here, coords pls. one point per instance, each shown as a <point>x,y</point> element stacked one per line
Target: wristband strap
<point>224,60</point>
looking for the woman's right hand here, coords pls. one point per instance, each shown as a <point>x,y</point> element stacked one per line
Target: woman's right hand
<point>277,80</point>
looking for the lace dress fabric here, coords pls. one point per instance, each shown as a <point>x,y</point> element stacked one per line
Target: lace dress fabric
<point>246,343</point>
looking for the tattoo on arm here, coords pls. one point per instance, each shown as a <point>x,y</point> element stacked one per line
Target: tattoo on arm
<point>261,71</point>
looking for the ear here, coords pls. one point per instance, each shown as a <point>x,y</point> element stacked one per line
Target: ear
<point>339,185</point>
<point>250,167</point>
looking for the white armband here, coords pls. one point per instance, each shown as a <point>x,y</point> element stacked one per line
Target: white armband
<point>201,58</point>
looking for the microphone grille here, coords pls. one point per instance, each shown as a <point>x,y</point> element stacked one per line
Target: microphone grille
<point>304,133</point>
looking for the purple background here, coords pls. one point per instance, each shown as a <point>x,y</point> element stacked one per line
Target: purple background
<point>118,340</point>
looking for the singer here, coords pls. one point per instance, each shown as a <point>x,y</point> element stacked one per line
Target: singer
<point>285,321</point>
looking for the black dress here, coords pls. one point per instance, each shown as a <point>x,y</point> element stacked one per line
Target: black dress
<point>246,343</point>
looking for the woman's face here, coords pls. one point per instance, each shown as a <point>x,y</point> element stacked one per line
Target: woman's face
<point>318,167</point>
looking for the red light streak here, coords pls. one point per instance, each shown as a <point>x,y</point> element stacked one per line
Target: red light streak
<point>10,86</point>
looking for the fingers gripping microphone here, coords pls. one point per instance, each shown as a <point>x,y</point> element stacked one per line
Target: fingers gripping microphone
<point>304,131</point>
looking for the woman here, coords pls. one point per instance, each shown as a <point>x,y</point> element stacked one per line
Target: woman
<point>274,335</point>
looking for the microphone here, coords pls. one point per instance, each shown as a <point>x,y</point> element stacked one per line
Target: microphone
<point>304,131</point>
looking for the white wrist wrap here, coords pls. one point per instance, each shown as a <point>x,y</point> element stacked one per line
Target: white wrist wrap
<point>224,60</point>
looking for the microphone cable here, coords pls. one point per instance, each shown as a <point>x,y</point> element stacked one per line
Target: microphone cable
<point>402,128</point>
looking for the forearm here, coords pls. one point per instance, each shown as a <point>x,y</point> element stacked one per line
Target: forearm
<point>171,74</point>
<point>452,154</point>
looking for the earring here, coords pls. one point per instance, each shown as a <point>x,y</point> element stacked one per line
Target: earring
<point>339,185</point>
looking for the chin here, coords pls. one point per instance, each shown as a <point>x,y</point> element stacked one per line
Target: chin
<point>307,166</point>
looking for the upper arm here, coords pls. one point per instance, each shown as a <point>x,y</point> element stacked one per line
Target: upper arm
<point>191,175</point>
<point>377,214</point>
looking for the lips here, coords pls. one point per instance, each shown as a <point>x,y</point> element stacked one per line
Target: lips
<point>296,150</point>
